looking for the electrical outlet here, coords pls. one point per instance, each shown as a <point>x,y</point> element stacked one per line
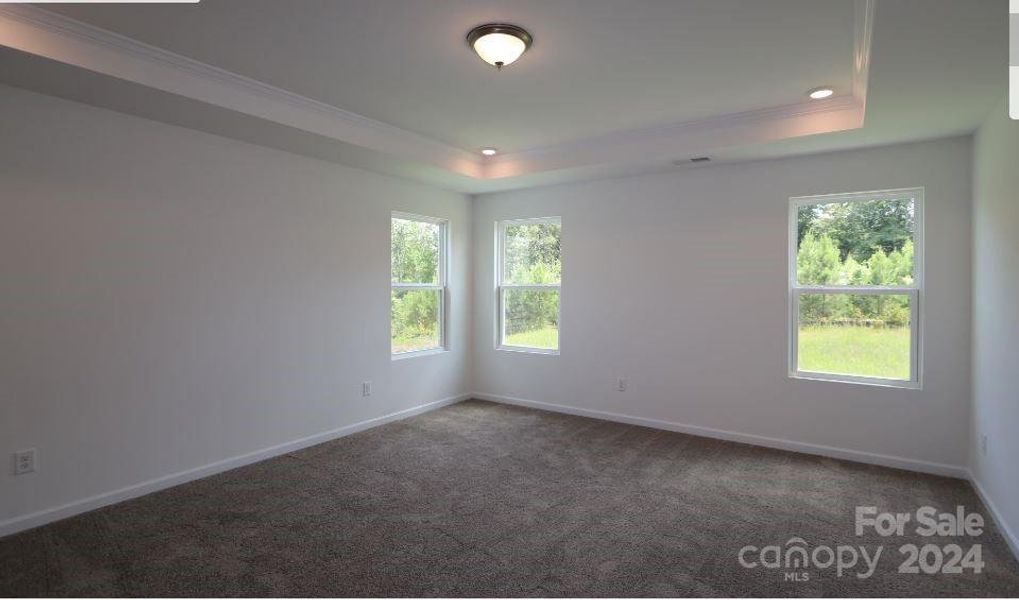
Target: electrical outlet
<point>983,445</point>
<point>366,388</point>
<point>621,384</point>
<point>24,461</point>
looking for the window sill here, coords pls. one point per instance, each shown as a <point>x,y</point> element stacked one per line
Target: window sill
<point>429,352</point>
<point>526,350</point>
<point>867,381</point>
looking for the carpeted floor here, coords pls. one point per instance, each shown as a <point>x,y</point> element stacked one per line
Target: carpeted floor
<point>480,499</point>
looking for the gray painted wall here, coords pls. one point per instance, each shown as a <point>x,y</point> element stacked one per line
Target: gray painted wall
<point>996,315</point>
<point>170,299</point>
<point>678,282</point>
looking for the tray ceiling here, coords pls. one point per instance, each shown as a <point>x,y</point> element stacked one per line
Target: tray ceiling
<point>609,87</point>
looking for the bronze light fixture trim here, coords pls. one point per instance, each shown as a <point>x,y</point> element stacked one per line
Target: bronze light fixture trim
<point>499,44</point>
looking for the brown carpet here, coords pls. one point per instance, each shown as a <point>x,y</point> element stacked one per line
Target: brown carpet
<point>480,499</point>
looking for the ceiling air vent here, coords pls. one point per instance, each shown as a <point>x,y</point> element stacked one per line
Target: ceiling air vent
<point>697,160</point>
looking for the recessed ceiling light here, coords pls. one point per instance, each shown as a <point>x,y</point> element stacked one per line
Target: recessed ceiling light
<point>821,93</point>
<point>489,151</point>
<point>499,44</point>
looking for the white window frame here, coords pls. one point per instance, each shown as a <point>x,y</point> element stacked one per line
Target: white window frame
<point>500,287</point>
<point>915,291</point>
<point>442,286</point>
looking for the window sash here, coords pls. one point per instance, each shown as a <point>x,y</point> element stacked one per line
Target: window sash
<point>417,286</point>
<point>914,291</point>
<point>914,336</point>
<point>501,286</point>
<point>501,300</point>
<point>442,287</point>
<point>532,286</point>
<point>914,194</point>
<point>501,262</point>
<point>443,311</point>
<point>848,289</point>
<point>442,267</point>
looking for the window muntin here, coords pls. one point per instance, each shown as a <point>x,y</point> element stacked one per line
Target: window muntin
<point>528,279</point>
<point>855,287</point>
<point>418,255</point>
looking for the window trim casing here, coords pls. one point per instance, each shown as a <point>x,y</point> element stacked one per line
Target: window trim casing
<point>500,287</point>
<point>442,286</point>
<point>916,291</point>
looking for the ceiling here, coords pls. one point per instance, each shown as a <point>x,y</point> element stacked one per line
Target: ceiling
<point>938,69</point>
<point>596,66</point>
<point>609,86</point>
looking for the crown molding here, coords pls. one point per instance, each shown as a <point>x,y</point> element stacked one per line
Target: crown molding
<point>53,36</point>
<point>693,138</point>
<point>863,35</point>
<point>669,142</point>
<point>56,37</point>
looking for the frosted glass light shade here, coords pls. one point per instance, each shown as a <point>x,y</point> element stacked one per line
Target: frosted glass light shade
<point>499,49</point>
<point>499,44</point>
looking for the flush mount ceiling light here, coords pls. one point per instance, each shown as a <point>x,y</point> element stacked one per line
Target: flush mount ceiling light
<point>820,93</point>
<point>499,44</point>
<point>489,151</point>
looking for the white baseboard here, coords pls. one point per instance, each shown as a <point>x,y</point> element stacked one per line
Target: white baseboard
<point>853,455</point>
<point>21,523</point>
<point>1006,531</point>
<point>70,509</point>
<point>746,438</point>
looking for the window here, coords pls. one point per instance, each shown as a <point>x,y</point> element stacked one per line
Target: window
<point>856,287</point>
<point>418,276</point>
<point>528,278</point>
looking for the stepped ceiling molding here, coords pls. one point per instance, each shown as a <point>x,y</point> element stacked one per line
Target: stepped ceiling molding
<point>88,63</point>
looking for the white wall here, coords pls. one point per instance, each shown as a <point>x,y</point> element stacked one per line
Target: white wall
<point>678,282</point>
<point>996,316</point>
<point>169,299</point>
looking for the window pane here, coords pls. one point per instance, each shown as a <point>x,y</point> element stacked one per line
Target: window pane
<point>415,320</point>
<point>415,251</point>
<point>531,253</point>
<point>864,243</point>
<point>866,335</point>
<point>531,318</point>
